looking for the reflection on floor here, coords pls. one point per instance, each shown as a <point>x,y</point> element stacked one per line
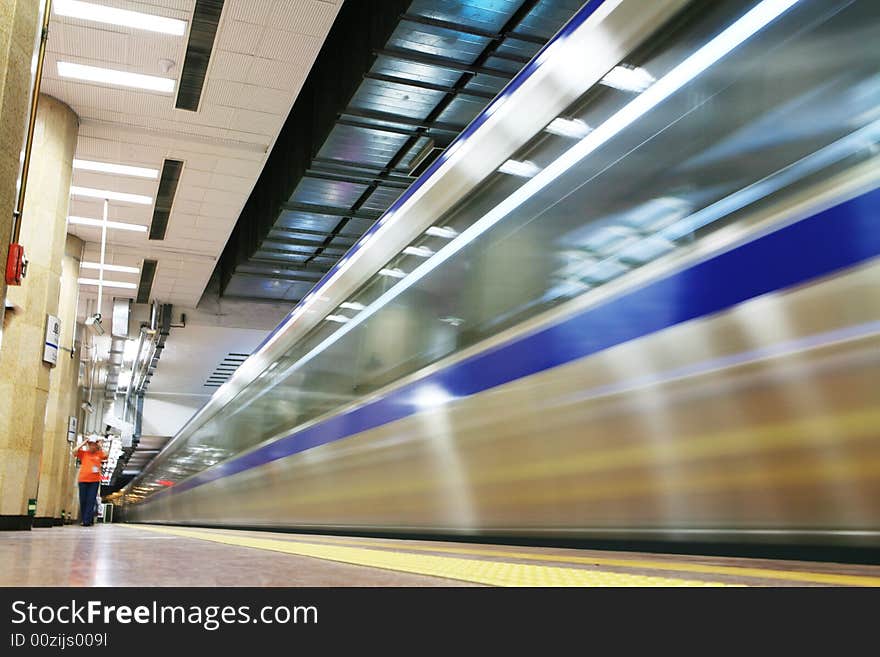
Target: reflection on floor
<point>148,555</point>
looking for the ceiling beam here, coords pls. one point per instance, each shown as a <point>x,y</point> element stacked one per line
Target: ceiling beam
<point>379,128</point>
<point>317,233</point>
<point>430,86</point>
<point>330,210</point>
<point>281,263</point>
<point>388,117</point>
<point>292,241</point>
<point>280,277</point>
<point>351,169</point>
<point>468,29</point>
<point>443,62</point>
<point>341,176</point>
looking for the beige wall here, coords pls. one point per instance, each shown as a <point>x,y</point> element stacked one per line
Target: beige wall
<point>24,377</point>
<point>63,399</point>
<point>18,30</point>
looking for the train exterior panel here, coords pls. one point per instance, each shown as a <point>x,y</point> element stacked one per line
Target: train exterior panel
<point>692,351</point>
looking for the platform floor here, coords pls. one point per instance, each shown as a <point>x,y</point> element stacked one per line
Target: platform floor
<point>149,555</point>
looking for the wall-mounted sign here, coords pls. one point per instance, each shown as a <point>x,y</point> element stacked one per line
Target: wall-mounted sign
<point>53,338</point>
<point>71,429</point>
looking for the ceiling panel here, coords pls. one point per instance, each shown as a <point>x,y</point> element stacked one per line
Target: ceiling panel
<point>260,59</point>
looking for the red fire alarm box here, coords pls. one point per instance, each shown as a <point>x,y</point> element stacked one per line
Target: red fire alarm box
<point>16,265</point>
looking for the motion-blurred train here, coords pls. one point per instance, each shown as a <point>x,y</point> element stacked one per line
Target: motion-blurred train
<point>638,297</point>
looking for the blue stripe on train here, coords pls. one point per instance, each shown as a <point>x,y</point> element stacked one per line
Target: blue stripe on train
<point>839,237</point>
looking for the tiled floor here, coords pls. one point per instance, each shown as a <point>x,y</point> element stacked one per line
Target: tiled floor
<point>142,555</point>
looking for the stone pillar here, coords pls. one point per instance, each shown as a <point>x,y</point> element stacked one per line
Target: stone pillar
<point>24,377</point>
<point>63,398</point>
<point>19,21</point>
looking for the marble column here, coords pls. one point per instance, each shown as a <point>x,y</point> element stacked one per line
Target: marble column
<point>19,22</point>
<point>63,400</point>
<point>24,377</point>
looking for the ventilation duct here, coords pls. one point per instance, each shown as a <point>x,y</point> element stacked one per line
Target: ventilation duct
<point>145,285</point>
<point>165,198</point>
<point>206,16</point>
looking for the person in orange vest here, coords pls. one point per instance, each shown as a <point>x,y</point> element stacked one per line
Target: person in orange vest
<point>90,456</point>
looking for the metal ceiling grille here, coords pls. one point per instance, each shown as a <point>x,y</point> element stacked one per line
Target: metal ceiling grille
<point>225,370</point>
<point>206,16</point>
<point>407,78</point>
<point>165,198</point>
<point>145,285</point>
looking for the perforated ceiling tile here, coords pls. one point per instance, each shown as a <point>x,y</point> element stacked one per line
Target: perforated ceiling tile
<point>274,74</point>
<point>233,66</point>
<point>261,99</point>
<point>223,92</point>
<point>259,123</point>
<point>78,40</point>
<point>310,17</point>
<point>231,182</point>
<point>251,11</point>
<point>287,46</point>
<point>242,37</point>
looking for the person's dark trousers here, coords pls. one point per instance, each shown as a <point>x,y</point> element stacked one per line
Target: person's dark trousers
<point>88,493</point>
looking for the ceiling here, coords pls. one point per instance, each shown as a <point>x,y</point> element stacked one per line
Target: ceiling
<point>261,56</point>
<point>408,76</point>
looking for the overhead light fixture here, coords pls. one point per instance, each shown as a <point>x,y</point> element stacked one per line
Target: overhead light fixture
<point>130,350</point>
<point>420,251</point>
<point>729,39</point>
<point>572,128</point>
<point>341,319</point>
<point>123,379</point>
<point>392,273</point>
<point>524,169</point>
<point>119,169</point>
<point>86,221</point>
<point>439,231</point>
<point>119,268</point>
<point>111,15</point>
<point>352,305</point>
<point>628,78</point>
<point>89,192</point>
<point>115,77</point>
<point>95,281</point>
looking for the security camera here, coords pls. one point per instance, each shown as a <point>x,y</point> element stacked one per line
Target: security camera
<point>93,322</point>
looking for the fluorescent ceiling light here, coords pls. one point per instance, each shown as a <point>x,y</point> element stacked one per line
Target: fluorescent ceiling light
<point>628,78</point>
<point>750,23</point>
<point>121,169</point>
<point>352,305</point>
<point>439,231</point>
<point>523,169</point>
<point>573,128</point>
<point>337,318</point>
<point>393,273</point>
<point>111,196</point>
<point>113,16</point>
<point>130,350</point>
<point>95,281</point>
<point>120,268</point>
<point>85,221</point>
<point>123,379</point>
<point>420,251</point>
<point>112,76</point>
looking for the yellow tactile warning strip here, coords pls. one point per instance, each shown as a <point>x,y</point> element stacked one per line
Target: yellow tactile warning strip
<point>793,576</point>
<point>493,573</point>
